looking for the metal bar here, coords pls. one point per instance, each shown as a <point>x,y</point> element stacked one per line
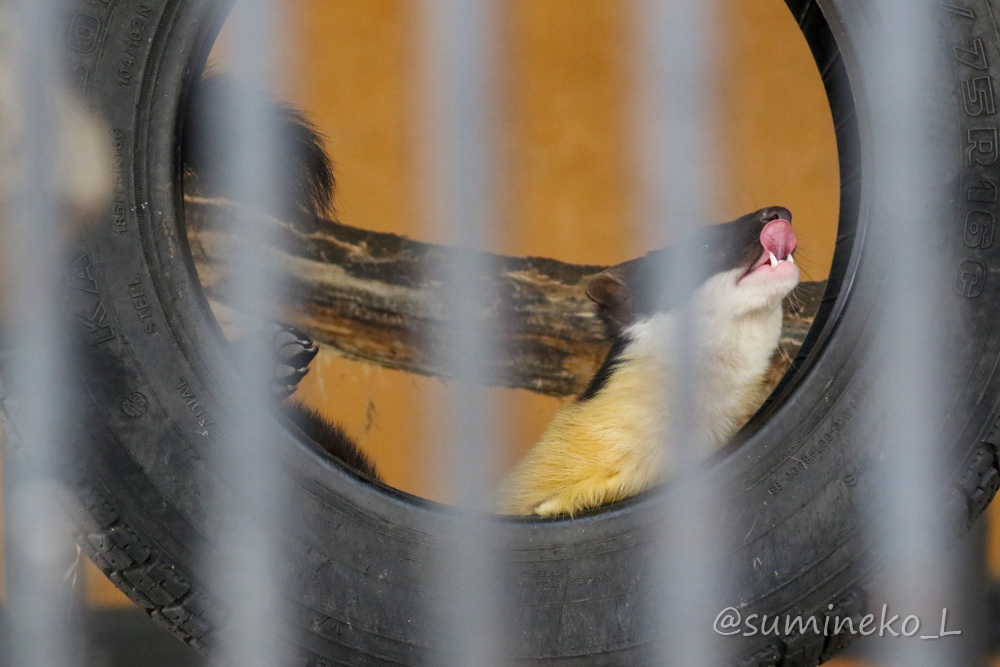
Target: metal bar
<point>674,142</point>
<point>459,60</point>
<point>252,500</point>
<point>42,628</point>
<point>911,390</point>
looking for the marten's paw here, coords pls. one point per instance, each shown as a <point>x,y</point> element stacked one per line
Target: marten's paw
<point>529,493</point>
<point>293,350</point>
<point>283,349</point>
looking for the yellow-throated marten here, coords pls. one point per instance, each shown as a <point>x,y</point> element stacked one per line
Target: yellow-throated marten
<point>612,442</point>
<point>609,443</point>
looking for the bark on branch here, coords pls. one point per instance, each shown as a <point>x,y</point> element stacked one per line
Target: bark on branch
<point>376,297</point>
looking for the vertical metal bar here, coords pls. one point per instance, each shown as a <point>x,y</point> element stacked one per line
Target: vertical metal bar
<point>252,500</point>
<point>911,388</point>
<point>41,629</point>
<point>674,143</point>
<point>458,50</point>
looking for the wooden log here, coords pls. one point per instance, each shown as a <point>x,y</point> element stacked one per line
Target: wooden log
<point>378,297</point>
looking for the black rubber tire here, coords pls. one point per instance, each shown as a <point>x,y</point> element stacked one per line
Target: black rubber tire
<point>360,585</point>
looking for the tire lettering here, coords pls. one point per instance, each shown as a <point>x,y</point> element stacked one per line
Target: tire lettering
<point>985,192</point>
<point>84,30</point>
<point>98,328</point>
<point>957,11</point>
<point>979,228</point>
<point>974,57</point>
<point>970,279</point>
<point>978,96</point>
<point>982,146</point>
<point>79,275</point>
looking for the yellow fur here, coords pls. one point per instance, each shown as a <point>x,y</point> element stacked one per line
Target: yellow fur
<point>593,452</point>
<point>604,449</point>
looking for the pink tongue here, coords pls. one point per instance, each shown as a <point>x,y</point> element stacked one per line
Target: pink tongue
<point>778,237</point>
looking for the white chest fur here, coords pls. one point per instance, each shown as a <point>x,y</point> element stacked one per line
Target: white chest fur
<point>731,356</point>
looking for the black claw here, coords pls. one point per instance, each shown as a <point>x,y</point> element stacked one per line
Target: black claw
<point>293,348</point>
<point>299,358</point>
<point>293,351</point>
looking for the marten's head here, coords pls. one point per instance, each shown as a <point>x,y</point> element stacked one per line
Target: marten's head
<point>745,269</point>
<point>744,266</point>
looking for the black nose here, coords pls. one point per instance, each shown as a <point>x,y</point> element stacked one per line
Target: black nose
<point>775,213</point>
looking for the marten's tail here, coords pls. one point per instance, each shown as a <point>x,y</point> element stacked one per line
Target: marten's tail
<point>306,187</point>
<point>330,437</point>
<point>307,182</point>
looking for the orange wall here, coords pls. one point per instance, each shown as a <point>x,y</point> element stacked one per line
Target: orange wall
<point>566,183</point>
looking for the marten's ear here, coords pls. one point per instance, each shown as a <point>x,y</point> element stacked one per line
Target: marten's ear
<point>614,301</point>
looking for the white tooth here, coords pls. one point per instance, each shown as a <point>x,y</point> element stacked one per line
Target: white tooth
<point>774,260</point>
<point>789,258</point>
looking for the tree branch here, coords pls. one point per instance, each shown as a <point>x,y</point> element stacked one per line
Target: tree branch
<point>377,297</point>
